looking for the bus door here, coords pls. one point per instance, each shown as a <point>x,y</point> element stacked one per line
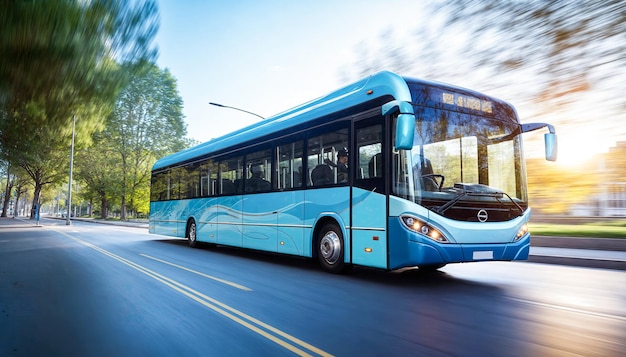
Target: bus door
<point>289,202</point>
<point>369,203</point>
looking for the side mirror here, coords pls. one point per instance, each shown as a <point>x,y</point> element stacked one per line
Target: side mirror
<point>551,146</point>
<point>550,138</point>
<point>405,123</point>
<point>405,130</point>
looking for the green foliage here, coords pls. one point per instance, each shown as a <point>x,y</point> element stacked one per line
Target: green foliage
<point>58,60</point>
<point>97,168</point>
<point>615,229</point>
<point>145,124</point>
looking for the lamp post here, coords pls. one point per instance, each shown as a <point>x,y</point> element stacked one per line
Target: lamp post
<point>69,186</point>
<point>241,110</point>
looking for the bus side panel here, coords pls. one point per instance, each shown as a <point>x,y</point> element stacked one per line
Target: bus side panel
<point>333,202</point>
<point>260,214</point>
<point>290,222</point>
<point>369,225</point>
<point>207,225</point>
<point>164,217</point>
<point>229,219</point>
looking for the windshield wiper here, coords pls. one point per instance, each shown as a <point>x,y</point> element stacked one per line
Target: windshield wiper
<point>475,190</point>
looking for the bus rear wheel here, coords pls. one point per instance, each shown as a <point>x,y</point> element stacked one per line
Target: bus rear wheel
<point>191,234</point>
<point>330,251</point>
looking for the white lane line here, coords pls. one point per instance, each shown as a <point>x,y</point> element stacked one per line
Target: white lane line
<point>223,281</point>
<point>570,309</point>
<point>273,334</point>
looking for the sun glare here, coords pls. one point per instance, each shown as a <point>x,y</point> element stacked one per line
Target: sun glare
<point>575,151</point>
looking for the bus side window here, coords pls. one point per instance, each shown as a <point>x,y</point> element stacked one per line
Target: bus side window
<point>259,171</point>
<point>326,158</point>
<point>289,165</point>
<point>188,187</point>
<point>208,178</point>
<point>370,158</point>
<point>174,185</point>
<point>158,190</point>
<point>369,146</point>
<point>231,172</point>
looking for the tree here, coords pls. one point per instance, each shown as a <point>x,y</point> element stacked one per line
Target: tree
<point>10,182</point>
<point>98,167</point>
<point>16,185</point>
<point>146,123</point>
<point>58,60</point>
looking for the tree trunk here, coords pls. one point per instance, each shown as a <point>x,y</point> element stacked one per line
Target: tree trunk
<point>103,207</point>
<point>16,205</point>
<point>123,209</point>
<point>36,196</point>
<point>7,193</point>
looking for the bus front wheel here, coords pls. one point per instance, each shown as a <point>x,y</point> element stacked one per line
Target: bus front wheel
<point>191,234</point>
<point>330,249</point>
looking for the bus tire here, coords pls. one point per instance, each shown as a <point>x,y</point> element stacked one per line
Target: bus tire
<point>192,234</point>
<point>330,249</point>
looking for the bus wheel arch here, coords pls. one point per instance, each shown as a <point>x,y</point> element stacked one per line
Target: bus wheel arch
<point>329,246</point>
<point>191,233</point>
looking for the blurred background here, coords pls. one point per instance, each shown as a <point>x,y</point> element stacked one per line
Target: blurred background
<point>561,62</point>
<point>132,81</point>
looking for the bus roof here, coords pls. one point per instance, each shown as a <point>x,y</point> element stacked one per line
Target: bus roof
<point>380,84</point>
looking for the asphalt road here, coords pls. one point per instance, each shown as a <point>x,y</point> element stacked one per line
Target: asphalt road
<point>95,290</point>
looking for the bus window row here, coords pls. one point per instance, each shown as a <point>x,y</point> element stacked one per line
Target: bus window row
<point>321,160</point>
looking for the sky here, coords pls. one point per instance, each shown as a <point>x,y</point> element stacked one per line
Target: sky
<point>271,55</point>
<point>264,56</point>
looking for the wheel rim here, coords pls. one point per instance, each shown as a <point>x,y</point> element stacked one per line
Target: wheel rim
<point>192,232</point>
<point>330,247</point>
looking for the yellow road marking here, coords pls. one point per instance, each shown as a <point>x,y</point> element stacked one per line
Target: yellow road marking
<point>219,307</point>
<point>235,285</point>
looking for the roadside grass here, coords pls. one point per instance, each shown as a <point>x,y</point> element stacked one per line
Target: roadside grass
<point>616,229</point>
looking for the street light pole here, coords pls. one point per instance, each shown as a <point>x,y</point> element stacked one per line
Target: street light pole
<point>241,110</point>
<point>69,186</point>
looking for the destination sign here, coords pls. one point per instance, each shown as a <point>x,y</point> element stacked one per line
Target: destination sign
<point>468,102</point>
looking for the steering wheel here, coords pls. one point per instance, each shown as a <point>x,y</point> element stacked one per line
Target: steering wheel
<point>433,179</point>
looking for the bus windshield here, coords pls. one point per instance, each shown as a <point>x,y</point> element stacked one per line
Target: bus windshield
<point>461,160</point>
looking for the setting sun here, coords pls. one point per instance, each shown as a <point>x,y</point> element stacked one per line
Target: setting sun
<point>574,150</point>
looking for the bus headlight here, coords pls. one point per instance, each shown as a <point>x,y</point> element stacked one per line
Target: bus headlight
<point>421,227</point>
<point>521,232</point>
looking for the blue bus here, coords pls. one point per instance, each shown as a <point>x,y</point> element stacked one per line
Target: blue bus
<point>388,172</point>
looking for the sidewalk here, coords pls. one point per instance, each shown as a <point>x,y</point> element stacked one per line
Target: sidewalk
<point>606,253</point>
<point>25,222</point>
<point>17,222</point>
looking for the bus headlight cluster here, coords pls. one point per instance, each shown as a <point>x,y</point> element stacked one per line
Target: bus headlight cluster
<point>521,232</point>
<point>421,227</point>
